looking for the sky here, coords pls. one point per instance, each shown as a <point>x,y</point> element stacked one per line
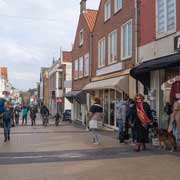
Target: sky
<point>32,33</point>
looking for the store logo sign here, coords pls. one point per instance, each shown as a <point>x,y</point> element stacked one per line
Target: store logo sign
<point>177,43</point>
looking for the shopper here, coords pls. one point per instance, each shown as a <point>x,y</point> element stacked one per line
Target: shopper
<point>6,121</point>
<point>96,117</point>
<point>25,114</point>
<point>174,125</point>
<point>141,117</point>
<point>121,115</point>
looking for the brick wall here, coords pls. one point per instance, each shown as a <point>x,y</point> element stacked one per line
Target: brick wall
<point>102,29</point>
<point>78,51</point>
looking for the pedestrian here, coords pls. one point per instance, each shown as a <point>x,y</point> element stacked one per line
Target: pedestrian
<point>33,115</point>
<point>57,119</point>
<point>141,118</point>
<point>121,114</point>
<point>1,112</point>
<point>174,125</point>
<point>24,115</point>
<point>130,121</point>
<point>96,117</point>
<point>6,121</point>
<point>16,115</point>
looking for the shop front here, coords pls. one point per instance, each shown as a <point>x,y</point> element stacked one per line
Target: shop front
<point>161,80</point>
<point>109,91</point>
<point>78,100</point>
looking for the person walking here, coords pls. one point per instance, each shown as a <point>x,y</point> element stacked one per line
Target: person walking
<point>1,112</point>
<point>174,125</point>
<point>141,118</point>
<point>96,117</point>
<point>6,121</point>
<point>16,115</point>
<point>121,115</point>
<point>25,114</point>
<point>33,115</point>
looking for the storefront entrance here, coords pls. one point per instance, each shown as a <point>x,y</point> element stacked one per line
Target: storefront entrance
<point>108,101</point>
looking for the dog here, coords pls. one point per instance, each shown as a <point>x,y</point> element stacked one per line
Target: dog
<point>167,140</point>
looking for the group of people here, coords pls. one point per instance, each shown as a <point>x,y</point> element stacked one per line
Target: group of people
<point>135,114</point>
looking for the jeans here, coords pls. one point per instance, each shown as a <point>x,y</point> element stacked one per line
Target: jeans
<point>7,130</point>
<point>121,128</point>
<point>95,136</point>
<point>24,118</point>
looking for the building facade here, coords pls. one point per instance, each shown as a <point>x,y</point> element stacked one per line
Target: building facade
<point>3,81</point>
<point>81,56</point>
<point>158,67</point>
<point>114,54</point>
<point>44,93</point>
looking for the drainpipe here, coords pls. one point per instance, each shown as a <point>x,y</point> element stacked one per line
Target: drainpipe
<point>136,36</point>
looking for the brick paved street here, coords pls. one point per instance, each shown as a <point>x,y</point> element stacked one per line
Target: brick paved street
<point>65,152</point>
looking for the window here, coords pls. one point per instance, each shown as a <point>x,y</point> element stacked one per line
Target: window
<point>81,38</point>
<point>80,67</point>
<point>126,40</point>
<point>101,53</point>
<point>76,69</point>
<point>86,65</point>
<point>117,5</point>
<point>112,47</point>
<point>107,10</point>
<point>166,16</point>
<point>60,81</point>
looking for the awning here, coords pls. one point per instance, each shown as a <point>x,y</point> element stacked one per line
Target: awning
<point>119,83</point>
<point>79,96</point>
<point>142,71</point>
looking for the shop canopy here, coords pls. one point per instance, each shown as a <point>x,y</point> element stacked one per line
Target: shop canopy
<point>142,71</point>
<point>119,83</point>
<point>79,96</point>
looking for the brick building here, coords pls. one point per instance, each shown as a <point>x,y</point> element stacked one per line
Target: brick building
<point>81,56</point>
<point>114,54</point>
<point>158,67</point>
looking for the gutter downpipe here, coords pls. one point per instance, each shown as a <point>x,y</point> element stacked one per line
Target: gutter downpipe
<point>136,38</point>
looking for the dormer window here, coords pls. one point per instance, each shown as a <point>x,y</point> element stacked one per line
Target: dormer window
<point>81,38</point>
<point>107,10</point>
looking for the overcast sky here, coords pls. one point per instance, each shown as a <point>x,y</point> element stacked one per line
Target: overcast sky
<point>32,32</point>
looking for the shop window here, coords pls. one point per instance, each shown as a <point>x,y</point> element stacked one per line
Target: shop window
<point>166,17</point>
<point>170,91</point>
<point>112,47</point>
<point>126,40</point>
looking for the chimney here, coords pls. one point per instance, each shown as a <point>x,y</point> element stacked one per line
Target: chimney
<point>83,6</point>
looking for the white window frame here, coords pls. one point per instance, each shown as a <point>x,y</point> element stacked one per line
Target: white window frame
<point>106,14</point>
<point>166,32</point>
<point>122,40</point>
<point>81,37</point>
<point>100,64</point>
<point>116,8</point>
<point>86,65</point>
<point>114,59</point>
<point>81,60</point>
<point>76,71</point>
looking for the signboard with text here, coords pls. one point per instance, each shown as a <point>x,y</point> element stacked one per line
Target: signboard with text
<point>177,43</point>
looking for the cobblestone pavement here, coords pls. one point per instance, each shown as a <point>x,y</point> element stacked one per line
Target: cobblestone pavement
<point>66,152</point>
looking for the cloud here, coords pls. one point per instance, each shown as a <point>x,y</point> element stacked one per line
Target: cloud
<point>32,32</point>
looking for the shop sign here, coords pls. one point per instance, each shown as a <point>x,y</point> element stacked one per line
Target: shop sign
<point>59,100</point>
<point>177,43</point>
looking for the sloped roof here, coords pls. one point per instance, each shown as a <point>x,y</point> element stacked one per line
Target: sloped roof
<point>90,17</point>
<point>67,56</point>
